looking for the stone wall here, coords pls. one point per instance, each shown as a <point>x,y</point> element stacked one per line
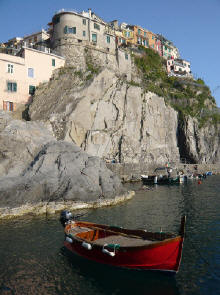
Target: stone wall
<point>78,55</point>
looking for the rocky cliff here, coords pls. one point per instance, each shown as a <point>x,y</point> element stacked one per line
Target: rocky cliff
<point>108,117</point>
<point>198,144</point>
<point>113,118</point>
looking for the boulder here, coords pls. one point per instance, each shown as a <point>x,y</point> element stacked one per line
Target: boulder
<point>37,168</point>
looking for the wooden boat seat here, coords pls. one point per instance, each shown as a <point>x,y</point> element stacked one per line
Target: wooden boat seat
<point>77,229</point>
<point>123,241</point>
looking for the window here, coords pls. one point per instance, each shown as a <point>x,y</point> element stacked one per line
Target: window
<point>30,72</point>
<point>145,34</point>
<point>126,56</point>
<point>31,90</point>
<point>139,31</point>
<point>120,40</point>
<point>69,30</point>
<point>72,30</point>
<point>108,39</point>
<point>96,26</point>
<point>128,34</point>
<point>53,62</point>
<point>94,37</point>
<point>8,106</point>
<point>10,68</point>
<point>12,87</point>
<point>84,21</point>
<point>84,33</point>
<point>35,39</point>
<point>152,37</point>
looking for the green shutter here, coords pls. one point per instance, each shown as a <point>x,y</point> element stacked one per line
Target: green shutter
<point>31,90</point>
<point>65,30</point>
<point>14,87</point>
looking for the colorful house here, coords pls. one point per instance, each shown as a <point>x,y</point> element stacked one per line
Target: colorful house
<point>169,51</point>
<point>140,35</point>
<point>178,67</point>
<point>152,40</point>
<point>19,75</point>
<point>127,34</point>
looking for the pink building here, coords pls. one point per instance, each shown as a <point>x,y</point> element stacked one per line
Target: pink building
<point>159,47</point>
<point>19,75</point>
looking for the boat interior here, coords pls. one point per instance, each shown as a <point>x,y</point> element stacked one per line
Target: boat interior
<point>123,237</point>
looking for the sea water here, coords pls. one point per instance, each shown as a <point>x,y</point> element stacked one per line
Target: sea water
<point>33,260</point>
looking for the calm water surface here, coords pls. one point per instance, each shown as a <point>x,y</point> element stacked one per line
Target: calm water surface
<point>33,261</point>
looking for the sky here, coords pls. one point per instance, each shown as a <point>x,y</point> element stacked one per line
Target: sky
<point>192,25</point>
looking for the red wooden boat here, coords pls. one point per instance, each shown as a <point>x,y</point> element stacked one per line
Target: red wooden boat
<point>133,249</point>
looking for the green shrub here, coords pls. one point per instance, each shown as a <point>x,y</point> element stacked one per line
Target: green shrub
<point>200,81</point>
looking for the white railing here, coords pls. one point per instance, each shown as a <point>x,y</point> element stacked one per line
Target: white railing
<point>66,10</point>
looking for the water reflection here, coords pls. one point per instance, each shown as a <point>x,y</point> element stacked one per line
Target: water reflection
<point>109,280</point>
<point>32,260</point>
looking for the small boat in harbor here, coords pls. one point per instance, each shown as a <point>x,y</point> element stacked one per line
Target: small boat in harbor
<point>121,247</point>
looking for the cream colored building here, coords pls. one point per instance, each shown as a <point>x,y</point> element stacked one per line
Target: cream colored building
<point>19,75</point>
<point>82,28</point>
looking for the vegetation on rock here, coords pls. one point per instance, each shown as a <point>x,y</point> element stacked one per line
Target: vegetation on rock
<point>186,95</point>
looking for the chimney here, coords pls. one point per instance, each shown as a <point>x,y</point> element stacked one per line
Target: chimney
<point>115,24</point>
<point>90,12</point>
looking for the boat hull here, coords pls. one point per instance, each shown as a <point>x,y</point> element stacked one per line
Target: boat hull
<point>164,256</point>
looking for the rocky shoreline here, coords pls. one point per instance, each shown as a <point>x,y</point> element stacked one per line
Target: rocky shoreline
<point>54,207</point>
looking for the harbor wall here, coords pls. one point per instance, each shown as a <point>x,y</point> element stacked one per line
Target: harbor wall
<point>133,172</point>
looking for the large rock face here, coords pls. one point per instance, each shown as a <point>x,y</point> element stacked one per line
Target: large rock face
<point>19,142</point>
<point>109,118</point>
<point>35,167</point>
<point>198,145</point>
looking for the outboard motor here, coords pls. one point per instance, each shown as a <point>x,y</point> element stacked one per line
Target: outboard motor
<point>65,216</point>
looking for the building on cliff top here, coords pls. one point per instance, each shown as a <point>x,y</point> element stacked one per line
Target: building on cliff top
<point>21,70</point>
<point>179,67</point>
<point>84,28</point>
<point>26,62</point>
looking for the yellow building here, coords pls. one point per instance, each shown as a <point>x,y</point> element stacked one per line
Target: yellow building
<point>152,40</point>
<point>128,35</point>
<point>140,36</point>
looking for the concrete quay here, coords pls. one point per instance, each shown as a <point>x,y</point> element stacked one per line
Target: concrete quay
<point>132,172</point>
